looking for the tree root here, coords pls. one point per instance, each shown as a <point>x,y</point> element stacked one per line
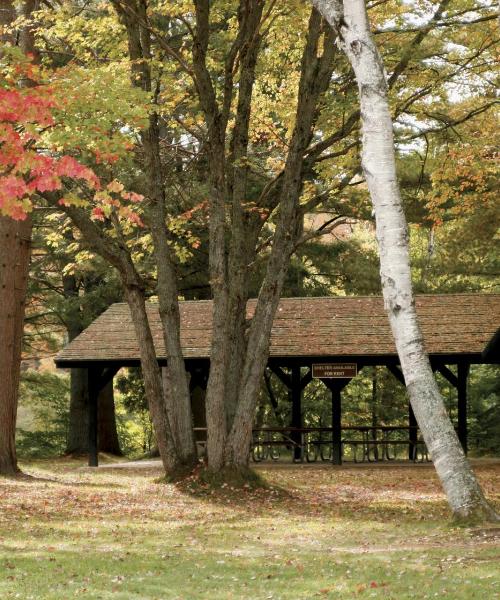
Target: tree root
<point>477,515</point>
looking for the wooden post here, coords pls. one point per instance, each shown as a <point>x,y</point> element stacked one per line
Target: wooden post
<point>93,390</point>
<point>413,434</point>
<point>98,378</point>
<point>197,390</point>
<point>336,386</point>
<point>336,423</point>
<point>412,421</point>
<point>296,394</point>
<point>463,372</point>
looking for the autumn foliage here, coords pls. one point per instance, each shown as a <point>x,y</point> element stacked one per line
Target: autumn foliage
<point>27,169</point>
<point>30,166</point>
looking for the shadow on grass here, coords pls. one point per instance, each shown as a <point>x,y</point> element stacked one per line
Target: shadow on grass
<point>274,498</point>
<point>35,479</point>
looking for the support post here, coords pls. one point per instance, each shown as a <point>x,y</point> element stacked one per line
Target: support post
<point>412,421</point>
<point>336,424</point>
<point>413,433</point>
<point>462,374</point>
<point>98,378</point>
<point>93,391</point>
<point>336,386</point>
<point>197,391</point>
<point>296,396</point>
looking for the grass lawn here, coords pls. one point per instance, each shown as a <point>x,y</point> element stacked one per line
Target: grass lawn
<point>325,532</point>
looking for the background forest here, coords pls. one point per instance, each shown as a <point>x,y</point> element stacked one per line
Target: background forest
<point>441,57</point>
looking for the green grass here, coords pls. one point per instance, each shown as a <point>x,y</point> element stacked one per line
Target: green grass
<point>318,532</point>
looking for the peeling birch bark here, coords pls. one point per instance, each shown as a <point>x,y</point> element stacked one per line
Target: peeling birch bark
<point>350,20</point>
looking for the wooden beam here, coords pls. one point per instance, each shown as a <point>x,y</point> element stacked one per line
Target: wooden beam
<point>282,376</point>
<point>198,378</point>
<point>396,371</point>
<point>306,380</point>
<point>336,386</point>
<point>448,375</point>
<point>412,433</point>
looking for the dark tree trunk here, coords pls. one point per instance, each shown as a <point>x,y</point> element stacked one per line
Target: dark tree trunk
<point>15,255</point>
<point>238,357</point>
<point>107,434</point>
<point>78,434</point>
<point>153,383</point>
<point>77,440</point>
<point>316,71</point>
<point>15,244</point>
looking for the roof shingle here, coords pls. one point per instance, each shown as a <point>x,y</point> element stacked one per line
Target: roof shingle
<point>314,327</point>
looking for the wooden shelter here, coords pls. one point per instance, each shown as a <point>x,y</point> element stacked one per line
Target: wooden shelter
<point>459,329</point>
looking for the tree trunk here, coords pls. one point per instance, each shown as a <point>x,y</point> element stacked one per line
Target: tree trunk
<point>78,429</point>
<point>177,397</point>
<point>153,384</point>
<point>15,245</point>
<point>78,435</point>
<point>118,256</point>
<point>107,434</point>
<point>316,69</point>
<point>15,255</point>
<point>177,391</point>
<point>236,367</point>
<point>464,494</point>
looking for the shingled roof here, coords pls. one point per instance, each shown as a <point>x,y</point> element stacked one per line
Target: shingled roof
<point>453,324</point>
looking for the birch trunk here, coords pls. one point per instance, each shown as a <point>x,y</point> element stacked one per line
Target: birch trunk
<point>464,494</point>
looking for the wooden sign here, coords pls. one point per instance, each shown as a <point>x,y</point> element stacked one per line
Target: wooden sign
<point>335,371</point>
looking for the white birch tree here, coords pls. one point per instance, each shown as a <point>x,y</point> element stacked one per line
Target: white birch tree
<point>350,21</point>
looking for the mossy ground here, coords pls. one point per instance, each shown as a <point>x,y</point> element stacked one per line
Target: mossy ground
<point>313,532</point>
